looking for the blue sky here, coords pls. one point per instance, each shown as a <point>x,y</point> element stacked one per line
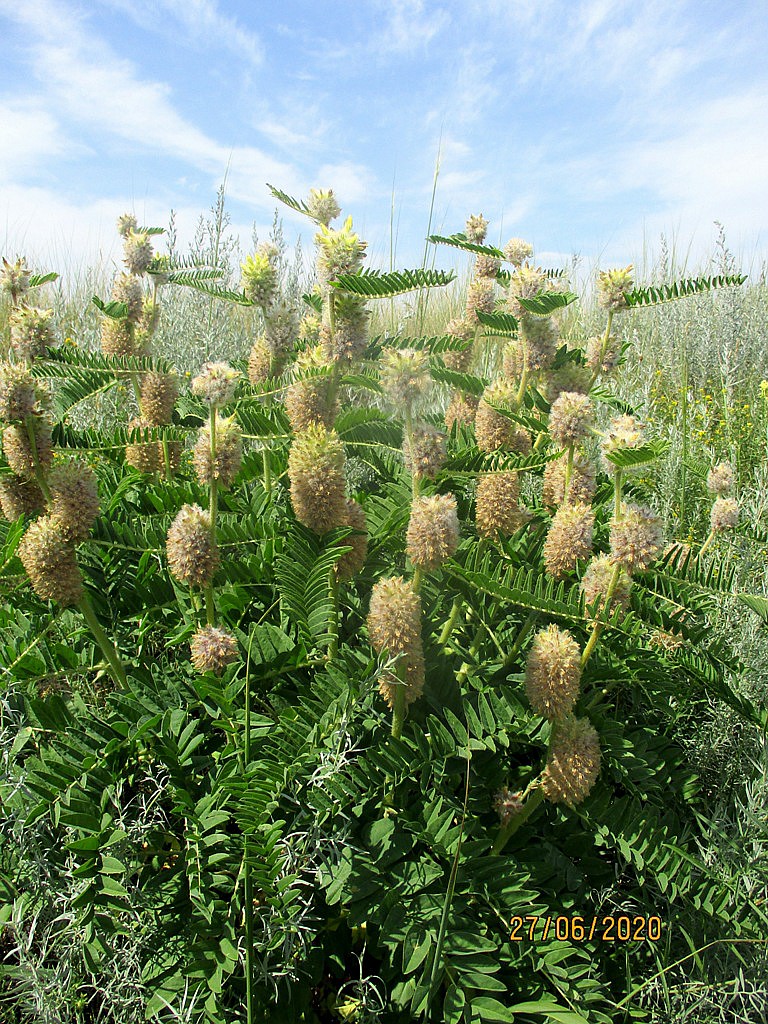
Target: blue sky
<point>585,127</point>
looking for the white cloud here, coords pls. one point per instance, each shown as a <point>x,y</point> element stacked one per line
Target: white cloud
<point>411,25</point>
<point>31,139</point>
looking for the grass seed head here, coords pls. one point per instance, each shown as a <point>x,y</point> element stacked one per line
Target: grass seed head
<point>573,764</point>
<point>497,509</point>
<point>394,626</point>
<point>212,649</point>
<point>316,471</point>
<point>352,562</point>
<point>229,452</point>
<point>637,539</point>
<point>433,531</point>
<point>553,673</point>
<point>49,560</point>
<point>74,503</point>
<point>19,497</point>
<point>724,515</point>
<point>193,555</point>
<point>569,539</point>
<point>216,384</point>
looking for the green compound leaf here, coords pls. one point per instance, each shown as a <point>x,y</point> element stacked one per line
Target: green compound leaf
<point>460,241</point>
<point>201,285</point>
<point>504,277</point>
<point>626,458</point>
<point>462,381</point>
<point>35,280</point>
<point>191,278</point>
<point>500,323</point>
<point>114,310</point>
<point>375,284</point>
<point>313,301</point>
<point>653,295</point>
<point>295,204</point>
<point>150,231</point>
<point>548,302</point>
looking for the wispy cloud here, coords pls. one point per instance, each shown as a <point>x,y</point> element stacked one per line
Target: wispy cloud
<point>410,25</point>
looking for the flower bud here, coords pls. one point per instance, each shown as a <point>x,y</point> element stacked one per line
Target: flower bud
<point>462,409</point>
<point>517,251</point>
<point>19,497</point>
<point>480,298</point>
<point>725,514</point>
<point>476,228</point>
<point>405,376</point>
<point>613,286</point>
<point>259,275</point>
<point>596,581</point>
<point>31,332</point>
<point>582,484</point>
<point>145,456</point>
<point>18,393</point>
<point>127,289</point>
<point>720,478</point>
<point>259,363</point>
<point>322,206</point>
<point>159,392</point>
<point>493,429</point>
<point>137,252</point>
<point>117,337</point>
<point>19,452</point>
<point>425,452</point>
<point>539,335</point>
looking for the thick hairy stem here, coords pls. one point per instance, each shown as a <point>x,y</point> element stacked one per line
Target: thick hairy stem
<point>210,604</point>
<point>523,381</point>
<point>42,482</point>
<point>507,831</point>
<point>248,883</point>
<point>333,590</point>
<point>450,623</point>
<point>398,711</point>
<point>707,543</point>
<point>603,349</point>
<point>617,494</point>
<point>101,638</point>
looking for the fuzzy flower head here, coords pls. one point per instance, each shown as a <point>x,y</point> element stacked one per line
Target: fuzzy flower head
<point>637,539</point>
<point>462,409</point>
<point>497,511</point>
<point>601,359</point>
<point>322,206</point>
<point>480,298</point>
<point>74,502</point>
<point>624,433</point>
<point>18,393</point>
<point>18,449</point>
<point>49,560</point>
<point>351,562</point>
<point>597,579</point>
<point>525,283</point>
<point>316,472</point>
<point>476,228</point>
<point>31,331</point>
<point>724,515</point>
<point>613,286</point>
<point>193,555</point>
<point>425,452</point>
<point>394,626</point>
<point>117,337</point>
<point>720,478</point>
<point>126,223</point>
<point>433,531</point>
<point>553,673</point>
<point>212,649</point>
<point>14,278</point>
<point>568,377</point>
<point>311,397</point>
<point>573,764</point>
<point>127,288</point>
<point>463,330</point>
<point>145,456</point>
<point>137,252</point>
<point>571,418</point>
<point>507,804</point>
<point>569,539</point>
<point>338,252</point>
<point>229,452</point>
<point>259,363</point>
<point>159,392</point>
<point>216,384</point>
<point>348,340</point>
<point>259,275</point>
<point>539,335</point>
<point>513,359</point>
<point>581,487</point>
<point>281,327</point>
<point>405,377</point>
<point>517,251</point>
<point>487,266</point>
<point>19,497</point>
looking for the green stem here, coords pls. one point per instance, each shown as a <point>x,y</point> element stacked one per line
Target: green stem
<point>333,589</point>
<point>248,881</point>
<point>707,543</point>
<point>214,502</point>
<point>266,463</point>
<point>398,711</point>
<point>42,482</point>
<point>617,494</point>
<point>600,621</point>
<point>523,382</point>
<point>210,606</point>
<point>568,473</point>
<point>603,348</point>
<point>525,629</point>
<point>167,458</point>
<point>508,830</point>
<point>101,638</point>
<point>450,622</point>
